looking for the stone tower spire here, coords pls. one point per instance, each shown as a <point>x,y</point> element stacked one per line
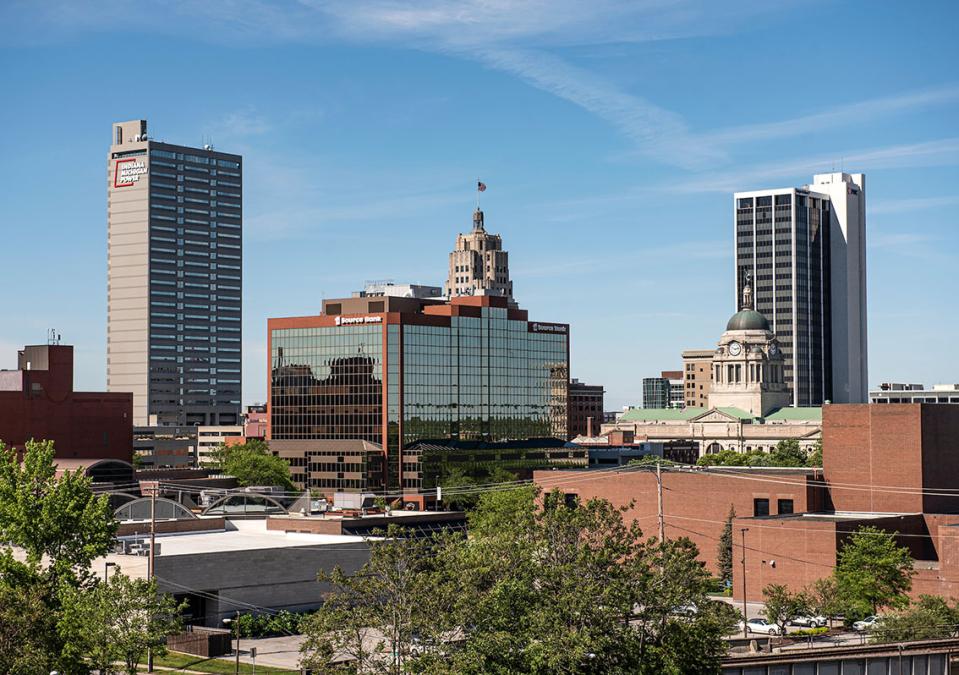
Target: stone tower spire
<point>478,221</point>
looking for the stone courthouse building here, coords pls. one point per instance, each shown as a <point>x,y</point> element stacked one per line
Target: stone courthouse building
<point>748,399</point>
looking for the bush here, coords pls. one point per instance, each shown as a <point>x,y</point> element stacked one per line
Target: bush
<point>809,632</point>
<point>269,625</point>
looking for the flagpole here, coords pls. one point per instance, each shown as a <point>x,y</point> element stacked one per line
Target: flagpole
<point>477,194</point>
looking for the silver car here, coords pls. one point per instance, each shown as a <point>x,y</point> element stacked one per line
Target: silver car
<point>761,626</point>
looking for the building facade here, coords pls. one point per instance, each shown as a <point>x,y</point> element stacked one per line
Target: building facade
<point>804,251</point>
<point>748,406</point>
<point>665,391</point>
<point>697,377</point>
<point>896,392</point>
<point>585,408</point>
<point>174,279</point>
<point>479,265</point>
<point>208,439</point>
<point>889,466</point>
<point>396,371</point>
<point>37,401</point>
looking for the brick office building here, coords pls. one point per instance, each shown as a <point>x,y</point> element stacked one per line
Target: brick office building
<point>894,467</point>
<point>38,401</point>
<point>585,408</point>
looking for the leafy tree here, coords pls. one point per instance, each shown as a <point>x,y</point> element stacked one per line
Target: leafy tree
<point>117,621</point>
<point>788,453</point>
<point>725,552</point>
<point>928,618</point>
<point>782,606</point>
<point>554,589</point>
<point>60,526</point>
<point>27,629</point>
<point>872,572</point>
<point>457,478</point>
<point>383,615</point>
<point>541,585</point>
<point>252,463</point>
<point>815,457</point>
<point>823,598</point>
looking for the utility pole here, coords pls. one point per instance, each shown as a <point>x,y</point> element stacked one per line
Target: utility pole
<point>150,560</point>
<point>743,531</point>
<point>659,505</point>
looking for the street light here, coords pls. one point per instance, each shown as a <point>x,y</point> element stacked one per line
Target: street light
<point>228,622</point>
<point>106,570</point>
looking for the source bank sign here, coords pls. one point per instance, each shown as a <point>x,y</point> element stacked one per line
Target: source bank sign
<point>127,172</point>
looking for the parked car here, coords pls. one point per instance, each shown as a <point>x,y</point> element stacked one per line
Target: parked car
<point>866,624</point>
<point>759,625</point>
<point>810,621</point>
<point>686,610</point>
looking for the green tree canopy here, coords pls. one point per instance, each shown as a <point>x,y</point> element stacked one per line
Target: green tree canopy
<point>929,618</point>
<point>786,453</point>
<point>782,606</point>
<point>541,585</point>
<point>252,463</point>
<point>873,572</point>
<point>60,526</point>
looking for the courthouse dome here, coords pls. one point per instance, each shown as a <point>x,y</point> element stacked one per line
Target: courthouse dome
<point>747,319</point>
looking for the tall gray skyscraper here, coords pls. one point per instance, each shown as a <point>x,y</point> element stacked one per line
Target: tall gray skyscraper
<point>805,250</point>
<point>174,279</point>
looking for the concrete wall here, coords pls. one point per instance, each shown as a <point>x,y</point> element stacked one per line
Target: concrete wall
<point>276,578</point>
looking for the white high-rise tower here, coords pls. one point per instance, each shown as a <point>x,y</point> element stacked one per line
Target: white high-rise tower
<point>805,249</point>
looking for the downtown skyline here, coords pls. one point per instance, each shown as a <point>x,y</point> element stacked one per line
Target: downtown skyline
<point>363,128</point>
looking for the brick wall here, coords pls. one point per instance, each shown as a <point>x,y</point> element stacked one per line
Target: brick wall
<point>695,503</point>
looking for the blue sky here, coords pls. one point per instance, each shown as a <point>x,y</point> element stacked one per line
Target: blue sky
<point>611,136</point>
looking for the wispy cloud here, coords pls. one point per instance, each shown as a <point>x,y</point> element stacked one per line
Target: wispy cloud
<point>843,115</point>
<point>941,152</point>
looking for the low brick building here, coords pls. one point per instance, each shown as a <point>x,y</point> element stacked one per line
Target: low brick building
<point>894,467</point>
<point>37,401</point>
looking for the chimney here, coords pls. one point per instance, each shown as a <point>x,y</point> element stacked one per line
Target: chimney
<point>589,426</point>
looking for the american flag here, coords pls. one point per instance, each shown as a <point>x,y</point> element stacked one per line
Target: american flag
<point>480,186</point>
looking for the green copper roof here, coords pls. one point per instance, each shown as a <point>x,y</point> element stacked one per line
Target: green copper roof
<point>796,414</point>
<point>660,414</point>
<point>747,319</point>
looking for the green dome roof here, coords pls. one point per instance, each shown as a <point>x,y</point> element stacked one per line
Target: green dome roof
<point>747,319</point>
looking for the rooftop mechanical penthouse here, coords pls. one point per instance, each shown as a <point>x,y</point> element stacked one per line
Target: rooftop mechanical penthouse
<point>395,371</point>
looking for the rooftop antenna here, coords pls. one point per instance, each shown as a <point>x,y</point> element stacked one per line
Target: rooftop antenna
<point>53,337</point>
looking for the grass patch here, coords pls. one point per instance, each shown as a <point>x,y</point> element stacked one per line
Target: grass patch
<point>205,665</point>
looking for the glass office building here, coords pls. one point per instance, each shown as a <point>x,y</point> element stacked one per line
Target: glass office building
<point>398,371</point>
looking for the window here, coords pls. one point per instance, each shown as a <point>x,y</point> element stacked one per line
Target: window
<point>119,138</point>
<point>784,506</point>
<point>760,507</point>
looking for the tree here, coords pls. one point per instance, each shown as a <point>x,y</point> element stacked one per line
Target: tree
<point>542,584</point>
<point>252,463</point>
<point>117,621</point>
<point>571,587</point>
<point>929,618</point>
<point>872,572</point>
<point>60,526</point>
<point>782,606</point>
<point>815,457</point>
<point>55,520</point>
<point>725,553</point>
<point>27,629</point>
<point>381,616</point>
<point>788,453</point>
<point>823,598</point>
